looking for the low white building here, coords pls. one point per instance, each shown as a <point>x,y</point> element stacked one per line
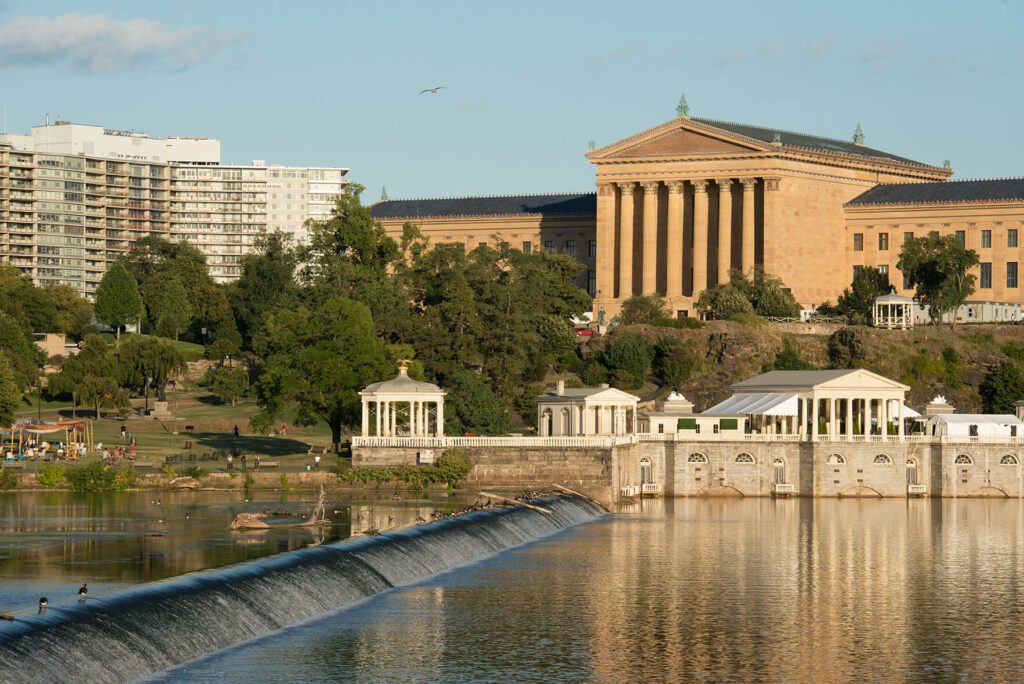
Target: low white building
<point>586,411</point>
<point>974,425</point>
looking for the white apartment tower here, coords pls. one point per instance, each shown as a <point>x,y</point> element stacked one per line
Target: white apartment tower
<point>73,198</point>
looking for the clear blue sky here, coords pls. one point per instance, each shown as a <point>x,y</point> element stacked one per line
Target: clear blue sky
<point>529,83</point>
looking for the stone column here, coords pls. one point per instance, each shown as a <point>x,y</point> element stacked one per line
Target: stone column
<point>772,244</point>
<point>392,417</point>
<point>899,427</point>
<point>377,416</point>
<point>849,417</point>
<point>605,263</point>
<point>627,215</point>
<point>747,262</point>
<point>439,428</point>
<point>833,418</point>
<point>814,418</point>
<point>884,410</point>
<point>649,268</point>
<point>700,237</point>
<point>674,241</point>
<point>724,229</point>
<point>366,419</point>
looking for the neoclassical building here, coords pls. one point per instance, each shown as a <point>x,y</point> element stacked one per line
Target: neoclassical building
<point>681,204</point>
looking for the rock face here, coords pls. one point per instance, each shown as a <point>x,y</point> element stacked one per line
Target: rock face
<point>249,521</point>
<point>184,483</point>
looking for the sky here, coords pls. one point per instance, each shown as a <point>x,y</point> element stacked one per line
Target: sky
<point>527,83</point>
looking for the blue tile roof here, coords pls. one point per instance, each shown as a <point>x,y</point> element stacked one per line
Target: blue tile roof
<point>942,192</point>
<point>584,203</point>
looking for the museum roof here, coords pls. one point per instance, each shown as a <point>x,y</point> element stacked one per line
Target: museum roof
<point>554,203</point>
<point>943,192</point>
<point>793,139</point>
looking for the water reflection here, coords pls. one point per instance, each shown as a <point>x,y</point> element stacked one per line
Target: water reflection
<point>695,590</point>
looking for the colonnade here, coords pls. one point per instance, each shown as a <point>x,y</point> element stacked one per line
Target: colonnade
<point>585,421</point>
<point>404,418</point>
<point>637,235</point>
<point>840,413</point>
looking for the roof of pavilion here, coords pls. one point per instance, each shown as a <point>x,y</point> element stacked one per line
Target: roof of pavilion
<point>572,203</point>
<point>803,380</point>
<point>402,384</point>
<point>943,192</point>
<point>578,393</point>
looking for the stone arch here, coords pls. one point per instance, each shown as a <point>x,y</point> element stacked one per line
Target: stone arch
<point>696,457</point>
<point>547,424</point>
<point>963,459</point>
<point>861,491</point>
<point>745,458</point>
<point>989,492</point>
<point>722,491</point>
<point>836,459</point>
<point>646,471</point>
<point>1009,460</point>
<point>882,459</point>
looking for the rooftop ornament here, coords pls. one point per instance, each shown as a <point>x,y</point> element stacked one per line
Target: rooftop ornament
<point>777,139</point>
<point>858,135</point>
<point>683,109</point>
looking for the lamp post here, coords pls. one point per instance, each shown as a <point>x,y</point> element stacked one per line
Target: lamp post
<point>174,408</point>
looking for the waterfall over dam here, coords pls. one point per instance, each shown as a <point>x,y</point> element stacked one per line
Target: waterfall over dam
<point>151,627</point>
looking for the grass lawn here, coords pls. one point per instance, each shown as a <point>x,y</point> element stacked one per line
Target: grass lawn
<point>189,350</point>
<point>212,431</point>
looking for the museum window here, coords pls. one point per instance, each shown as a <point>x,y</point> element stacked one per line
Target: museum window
<point>1011,237</point>
<point>837,459</point>
<point>592,283</point>
<point>481,245</point>
<point>570,247</point>
<point>1011,274</point>
<point>883,242</point>
<point>527,247</point>
<point>961,237</point>
<point>549,246</point>
<point>882,459</point>
<point>744,458</point>
<point>907,237</point>
<point>963,459</point>
<point>986,276</point>
<point>697,458</point>
<point>1009,460</point>
<point>884,269</point>
<point>591,248</point>
<point>986,239</point>
<point>858,242</point>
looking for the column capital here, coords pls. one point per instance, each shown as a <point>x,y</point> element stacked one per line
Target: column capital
<point>675,187</point>
<point>748,184</point>
<point>700,185</point>
<point>650,187</point>
<point>772,184</point>
<point>605,189</point>
<point>627,186</point>
<point>724,184</point>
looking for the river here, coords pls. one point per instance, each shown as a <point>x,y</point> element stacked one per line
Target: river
<point>716,590</point>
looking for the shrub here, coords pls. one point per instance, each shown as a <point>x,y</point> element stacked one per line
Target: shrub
<point>190,471</point>
<point>285,484</point>
<point>723,302</point>
<point>1002,387</point>
<point>99,477</point>
<point>629,357</point>
<point>678,323</point>
<point>51,475</point>
<point>450,468</point>
<point>8,479</point>
<point>642,309</point>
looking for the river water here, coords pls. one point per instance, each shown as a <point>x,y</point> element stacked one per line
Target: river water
<point>671,590</point>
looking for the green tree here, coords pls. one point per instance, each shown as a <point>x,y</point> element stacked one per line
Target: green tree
<point>228,384</point>
<point>788,358</point>
<point>857,301</point>
<point>118,302</point>
<point>318,360</point>
<point>17,343</point>
<point>227,341</point>
<point>643,309</point>
<point>148,362</point>
<point>629,357</point>
<point>473,407</point>
<point>267,279</point>
<point>767,294</point>
<point>1002,387</point>
<point>171,310</point>
<point>10,392</point>
<point>723,302</point>
<point>91,376</point>
<point>937,267</point>
<point>674,362</point>
<point>74,312</point>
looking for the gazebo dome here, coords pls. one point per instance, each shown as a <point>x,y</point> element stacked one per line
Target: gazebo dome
<point>893,298</point>
<point>402,384</point>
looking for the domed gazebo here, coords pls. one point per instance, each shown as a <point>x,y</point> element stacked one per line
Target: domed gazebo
<point>403,407</point>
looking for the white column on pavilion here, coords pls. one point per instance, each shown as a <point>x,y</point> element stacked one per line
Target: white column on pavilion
<point>849,417</point>
<point>366,418</point>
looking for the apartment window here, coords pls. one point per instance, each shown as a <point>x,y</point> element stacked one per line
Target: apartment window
<point>858,242</point>
<point>549,246</point>
<point>933,233</point>
<point>527,247</point>
<point>592,282</point>
<point>884,269</point>
<point>986,238</point>
<point>570,247</point>
<point>1011,274</point>
<point>907,237</point>
<point>986,276</point>
<point>1011,237</point>
<point>504,247</point>
<point>961,237</point>
<point>883,242</point>
<point>481,245</point>
<point>592,247</point>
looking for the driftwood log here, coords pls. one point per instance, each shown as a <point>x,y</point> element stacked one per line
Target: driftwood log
<point>249,521</point>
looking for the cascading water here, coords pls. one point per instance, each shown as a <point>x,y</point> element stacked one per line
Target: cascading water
<point>155,626</point>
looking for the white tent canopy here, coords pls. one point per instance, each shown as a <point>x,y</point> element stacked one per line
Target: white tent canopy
<point>757,404</point>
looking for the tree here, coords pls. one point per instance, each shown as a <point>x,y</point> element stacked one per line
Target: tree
<point>642,309</point>
<point>473,407</point>
<point>171,310</point>
<point>74,312</point>
<point>629,357</point>
<point>91,376</point>
<point>674,362</point>
<point>318,360</point>
<point>146,362</point>
<point>10,393</point>
<point>936,266</point>
<point>118,301</point>
<point>788,358</point>
<point>723,302</point>
<point>1002,387</point>
<point>228,384</point>
<point>267,278</point>
<point>767,294</point>
<point>857,301</point>
<point>226,339</point>
<point>17,344</point>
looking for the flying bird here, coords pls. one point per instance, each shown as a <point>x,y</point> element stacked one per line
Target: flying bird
<point>432,90</point>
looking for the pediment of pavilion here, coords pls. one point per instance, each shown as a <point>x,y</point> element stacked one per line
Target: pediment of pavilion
<point>676,138</point>
<point>862,379</point>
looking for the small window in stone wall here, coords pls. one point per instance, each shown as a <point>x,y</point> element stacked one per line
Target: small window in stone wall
<point>729,423</point>
<point>697,458</point>
<point>744,458</point>
<point>1009,460</point>
<point>837,459</point>
<point>963,459</point>
<point>882,459</point>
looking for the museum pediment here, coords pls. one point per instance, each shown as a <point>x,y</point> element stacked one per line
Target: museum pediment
<point>676,141</point>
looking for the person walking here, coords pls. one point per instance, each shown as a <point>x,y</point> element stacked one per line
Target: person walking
<point>242,459</point>
<point>316,462</point>
<point>235,431</point>
<point>256,462</point>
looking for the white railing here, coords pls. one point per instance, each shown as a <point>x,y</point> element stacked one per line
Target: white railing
<point>650,488</point>
<point>784,488</point>
<point>916,489</point>
<point>599,441</point>
<point>630,491</point>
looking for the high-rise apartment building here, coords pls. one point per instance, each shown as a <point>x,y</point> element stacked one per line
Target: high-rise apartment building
<point>73,198</point>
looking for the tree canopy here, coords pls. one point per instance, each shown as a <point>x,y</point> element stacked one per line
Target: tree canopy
<point>937,267</point>
<point>118,302</point>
